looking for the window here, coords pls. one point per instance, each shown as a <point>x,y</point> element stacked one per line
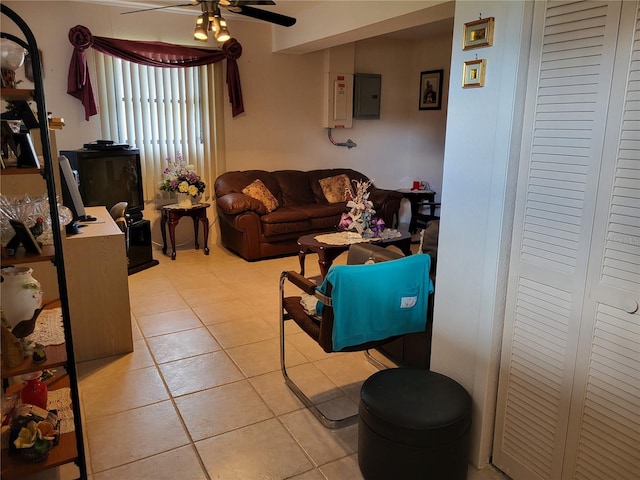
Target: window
<point>163,112</point>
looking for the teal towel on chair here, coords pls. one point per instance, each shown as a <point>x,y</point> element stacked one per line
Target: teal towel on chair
<point>379,300</point>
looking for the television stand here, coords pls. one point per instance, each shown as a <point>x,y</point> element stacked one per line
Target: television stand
<point>140,254</point>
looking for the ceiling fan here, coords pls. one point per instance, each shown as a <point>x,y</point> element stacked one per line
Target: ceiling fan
<point>211,21</point>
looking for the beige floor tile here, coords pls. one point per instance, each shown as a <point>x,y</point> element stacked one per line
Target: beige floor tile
<point>140,286</point>
<point>263,357</point>
<point>306,345</point>
<point>310,475</point>
<point>263,450</point>
<point>242,332</point>
<point>321,444</point>
<point>179,463</point>
<point>148,304</point>
<point>221,409</point>
<point>168,322</point>
<point>189,343</point>
<point>139,358</point>
<point>339,407</point>
<point>275,393</point>
<point>199,373</point>
<point>221,311</point>
<point>202,295</point>
<point>226,393</point>
<point>136,334</point>
<point>344,370</point>
<point>105,394</point>
<point>119,439</point>
<point>313,382</point>
<point>346,467</point>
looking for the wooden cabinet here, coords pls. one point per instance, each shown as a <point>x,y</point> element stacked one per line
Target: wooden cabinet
<point>38,181</point>
<point>96,269</point>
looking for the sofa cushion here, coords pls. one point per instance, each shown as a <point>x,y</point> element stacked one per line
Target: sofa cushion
<point>259,191</point>
<point>336,188</point>
<point>295,187</point>
<point>321,210</point>
<point>285,215</point>
<point>316,175</point>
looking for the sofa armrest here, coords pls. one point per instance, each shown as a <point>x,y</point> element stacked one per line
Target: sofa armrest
<point>235,203</point>
<point>387,205</point>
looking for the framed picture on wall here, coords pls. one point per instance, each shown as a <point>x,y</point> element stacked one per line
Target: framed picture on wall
<point>430,90</point>
<point>473,75</point>
<point>478,34</point>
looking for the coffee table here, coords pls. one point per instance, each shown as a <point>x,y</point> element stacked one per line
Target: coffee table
<point>327,253</point>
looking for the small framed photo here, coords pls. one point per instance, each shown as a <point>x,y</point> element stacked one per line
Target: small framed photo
<point>478,34</point>
<point>431,90</point>
<point>23,236</point>
<point>473,75</point>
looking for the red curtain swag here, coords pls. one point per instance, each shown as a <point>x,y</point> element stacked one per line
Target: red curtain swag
<point>154,54</point>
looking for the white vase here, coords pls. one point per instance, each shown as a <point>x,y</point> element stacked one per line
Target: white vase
<point>184,200</point>
<point>21,294</point>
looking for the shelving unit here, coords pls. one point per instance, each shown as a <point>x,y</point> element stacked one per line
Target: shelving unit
<point>70,448</point>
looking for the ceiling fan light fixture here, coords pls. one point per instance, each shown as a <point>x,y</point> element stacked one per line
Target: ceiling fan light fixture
<point>214,24</point>
<point>222,35</point>
<point>200,33</point>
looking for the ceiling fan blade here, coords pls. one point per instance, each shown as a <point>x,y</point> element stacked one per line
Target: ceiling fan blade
<point>272,17</point>
<point>235,3</point>
<point>160,8</point>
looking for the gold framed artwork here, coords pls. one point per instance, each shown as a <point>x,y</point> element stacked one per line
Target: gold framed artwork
<point>473,74</point>
<point>478,34</point>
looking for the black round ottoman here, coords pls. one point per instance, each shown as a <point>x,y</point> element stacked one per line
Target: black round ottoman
<point>413,424</point>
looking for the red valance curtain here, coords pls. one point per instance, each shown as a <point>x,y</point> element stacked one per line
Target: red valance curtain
<point>154,54</point>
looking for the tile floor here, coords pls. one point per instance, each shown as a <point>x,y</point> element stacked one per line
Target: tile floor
<point>202,397</point>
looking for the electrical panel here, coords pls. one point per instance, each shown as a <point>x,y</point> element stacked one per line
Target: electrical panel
<point>339,100</point>
<point>366,96</point>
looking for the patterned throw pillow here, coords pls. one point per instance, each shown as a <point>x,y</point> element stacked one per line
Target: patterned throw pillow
<point>335,188</point>
<point>259,191</point>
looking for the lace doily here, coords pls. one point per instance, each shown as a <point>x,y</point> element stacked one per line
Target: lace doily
<point>347,238</point>
<point>60,400</point>
<point>48,330</point>
<point>340,238</point>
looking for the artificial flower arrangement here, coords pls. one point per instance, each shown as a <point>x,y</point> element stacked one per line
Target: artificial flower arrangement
<point>178,177</point>
<point>361,216</point>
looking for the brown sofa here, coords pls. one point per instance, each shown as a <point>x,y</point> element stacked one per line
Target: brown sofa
<point>250,230</point>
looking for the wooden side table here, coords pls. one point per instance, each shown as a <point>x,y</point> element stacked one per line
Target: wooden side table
<point>416,197</point>
<point>173,214</point>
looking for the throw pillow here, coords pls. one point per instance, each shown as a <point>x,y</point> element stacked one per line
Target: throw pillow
<point>335,188</point>
<point>259,191</point>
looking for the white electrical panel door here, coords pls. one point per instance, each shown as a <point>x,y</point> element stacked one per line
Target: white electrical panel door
<point>339,91</point>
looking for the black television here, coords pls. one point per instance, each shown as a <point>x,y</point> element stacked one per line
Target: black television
<point>107,177</point>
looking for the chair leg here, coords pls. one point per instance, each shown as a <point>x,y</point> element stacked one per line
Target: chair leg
<point>326,421</point>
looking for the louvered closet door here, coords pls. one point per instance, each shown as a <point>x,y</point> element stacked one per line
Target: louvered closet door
<point>569,390</point>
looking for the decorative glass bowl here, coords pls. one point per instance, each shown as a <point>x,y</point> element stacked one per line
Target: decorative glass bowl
<point>34,212</point>
<point>12,55</point>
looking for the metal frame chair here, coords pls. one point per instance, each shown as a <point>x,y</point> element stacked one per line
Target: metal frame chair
<point>321,328</point>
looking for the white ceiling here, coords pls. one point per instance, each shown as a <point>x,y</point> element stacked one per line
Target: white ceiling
<point>291,8</point>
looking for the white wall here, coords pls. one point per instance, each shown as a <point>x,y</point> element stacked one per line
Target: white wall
<point>283,93</point>
<point>481,156</point>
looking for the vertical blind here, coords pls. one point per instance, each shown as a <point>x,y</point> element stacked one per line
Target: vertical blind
<point>163,112</point>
